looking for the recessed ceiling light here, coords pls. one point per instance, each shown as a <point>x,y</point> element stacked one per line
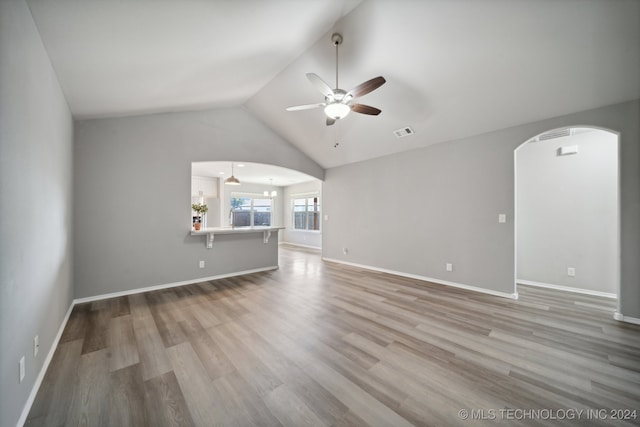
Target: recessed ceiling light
<point>221,173</point>
<point>240,165</point>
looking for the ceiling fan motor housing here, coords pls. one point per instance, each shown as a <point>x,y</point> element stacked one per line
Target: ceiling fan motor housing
<point>338,96</point>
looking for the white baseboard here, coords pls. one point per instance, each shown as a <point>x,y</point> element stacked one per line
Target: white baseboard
<point>427,279</point>
<point>43,370</point>
<point>568,289</point>
<point>628,319</point>
<point>170,285</point>
<point>300,246</point>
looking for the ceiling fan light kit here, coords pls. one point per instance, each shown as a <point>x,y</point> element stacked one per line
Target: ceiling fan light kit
<point>337,110</point>
<point>337,102</point>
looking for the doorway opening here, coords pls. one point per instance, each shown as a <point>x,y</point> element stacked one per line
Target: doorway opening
<point>567,211</point>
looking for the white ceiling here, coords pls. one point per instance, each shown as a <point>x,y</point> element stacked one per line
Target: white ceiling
<point>251,173</point>
<point>454,68</point>
<point>117,58</point>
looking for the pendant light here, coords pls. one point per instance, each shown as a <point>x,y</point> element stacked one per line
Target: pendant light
<point>273,193</point>
<point>232,180</point>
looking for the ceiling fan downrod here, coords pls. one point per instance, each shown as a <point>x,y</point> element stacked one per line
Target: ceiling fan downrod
<point>336,38</point>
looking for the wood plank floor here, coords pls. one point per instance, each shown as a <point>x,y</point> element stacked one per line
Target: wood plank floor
<point>320,344</point>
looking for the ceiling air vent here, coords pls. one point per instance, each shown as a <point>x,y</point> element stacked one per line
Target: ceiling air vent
<point>402,132</point>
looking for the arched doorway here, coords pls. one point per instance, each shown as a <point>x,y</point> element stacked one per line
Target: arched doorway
<point>567,211</point>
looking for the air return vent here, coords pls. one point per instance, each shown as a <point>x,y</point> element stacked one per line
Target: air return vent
<point>558,133</point>
<point>402,132</point>
<point>555,134</point>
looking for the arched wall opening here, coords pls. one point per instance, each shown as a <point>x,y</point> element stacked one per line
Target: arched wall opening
<point>567,211</point>
<point>264,195</point>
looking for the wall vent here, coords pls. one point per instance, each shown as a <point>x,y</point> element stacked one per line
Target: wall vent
<point>558,133</point>
<point>555,134</point>
<point>402,132</point>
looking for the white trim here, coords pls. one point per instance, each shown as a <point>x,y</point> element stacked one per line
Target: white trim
<point>300,246</point>
<point>296,230</point>
<point>568,289</point>
<point>299,195</point>
<point>45,365</point>
<point>628,319</point>
<point>170,285</point>
<point>427,279</point>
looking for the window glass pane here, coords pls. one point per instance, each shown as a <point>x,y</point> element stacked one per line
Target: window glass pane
<point>299,205</point>
<point>241,218</point>
<point>241,208</point>
<point>300,220</point>
<point>261,212</point>
<point>314,221</point>
<point>262,205</point>
<point>241,203</point>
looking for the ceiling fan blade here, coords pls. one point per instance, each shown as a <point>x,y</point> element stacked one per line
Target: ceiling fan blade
<point>366,87</point>
<point>306,107</point>
<point>330,121</point>
<point>320,84</point>
<point>365,109</point>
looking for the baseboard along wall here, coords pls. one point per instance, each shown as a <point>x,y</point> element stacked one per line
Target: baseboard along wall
<point>567,289</point>
<point>427,279</point>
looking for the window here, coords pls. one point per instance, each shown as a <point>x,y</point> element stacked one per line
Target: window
<point>306,212</point>
<point>249,210</point>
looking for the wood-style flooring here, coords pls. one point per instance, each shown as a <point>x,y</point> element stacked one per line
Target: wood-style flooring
<point>322,344</point>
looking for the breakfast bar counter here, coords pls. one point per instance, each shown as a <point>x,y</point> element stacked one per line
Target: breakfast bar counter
<point>212,231</point>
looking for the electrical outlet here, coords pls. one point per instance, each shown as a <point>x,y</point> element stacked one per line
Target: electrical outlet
<point>36,346</point>
<point>21,367</point>
<point>571,272</point>
<point>201,264</point>
<point>449,267</point>
<point>345,251</point>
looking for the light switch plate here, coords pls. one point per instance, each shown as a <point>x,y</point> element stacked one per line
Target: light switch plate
<point>21,368</point>
<point>502,218</point>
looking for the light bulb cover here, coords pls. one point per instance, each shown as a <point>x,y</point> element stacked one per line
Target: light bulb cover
<point>232,180</point>
<point>337,110</point>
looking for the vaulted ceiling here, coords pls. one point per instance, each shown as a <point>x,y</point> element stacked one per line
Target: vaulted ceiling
<point>454,68</point>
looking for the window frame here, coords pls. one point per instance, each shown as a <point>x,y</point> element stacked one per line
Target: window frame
<point>252,197</point>
<point>306,197</point>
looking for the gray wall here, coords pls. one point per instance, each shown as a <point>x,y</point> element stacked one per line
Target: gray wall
<point>299,237</point>
<point>412,212</point>
<point>132,196</point>
<point>35,205</point>
<point>567,213</point>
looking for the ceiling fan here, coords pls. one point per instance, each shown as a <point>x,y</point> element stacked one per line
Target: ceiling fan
<point>337,102</point>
